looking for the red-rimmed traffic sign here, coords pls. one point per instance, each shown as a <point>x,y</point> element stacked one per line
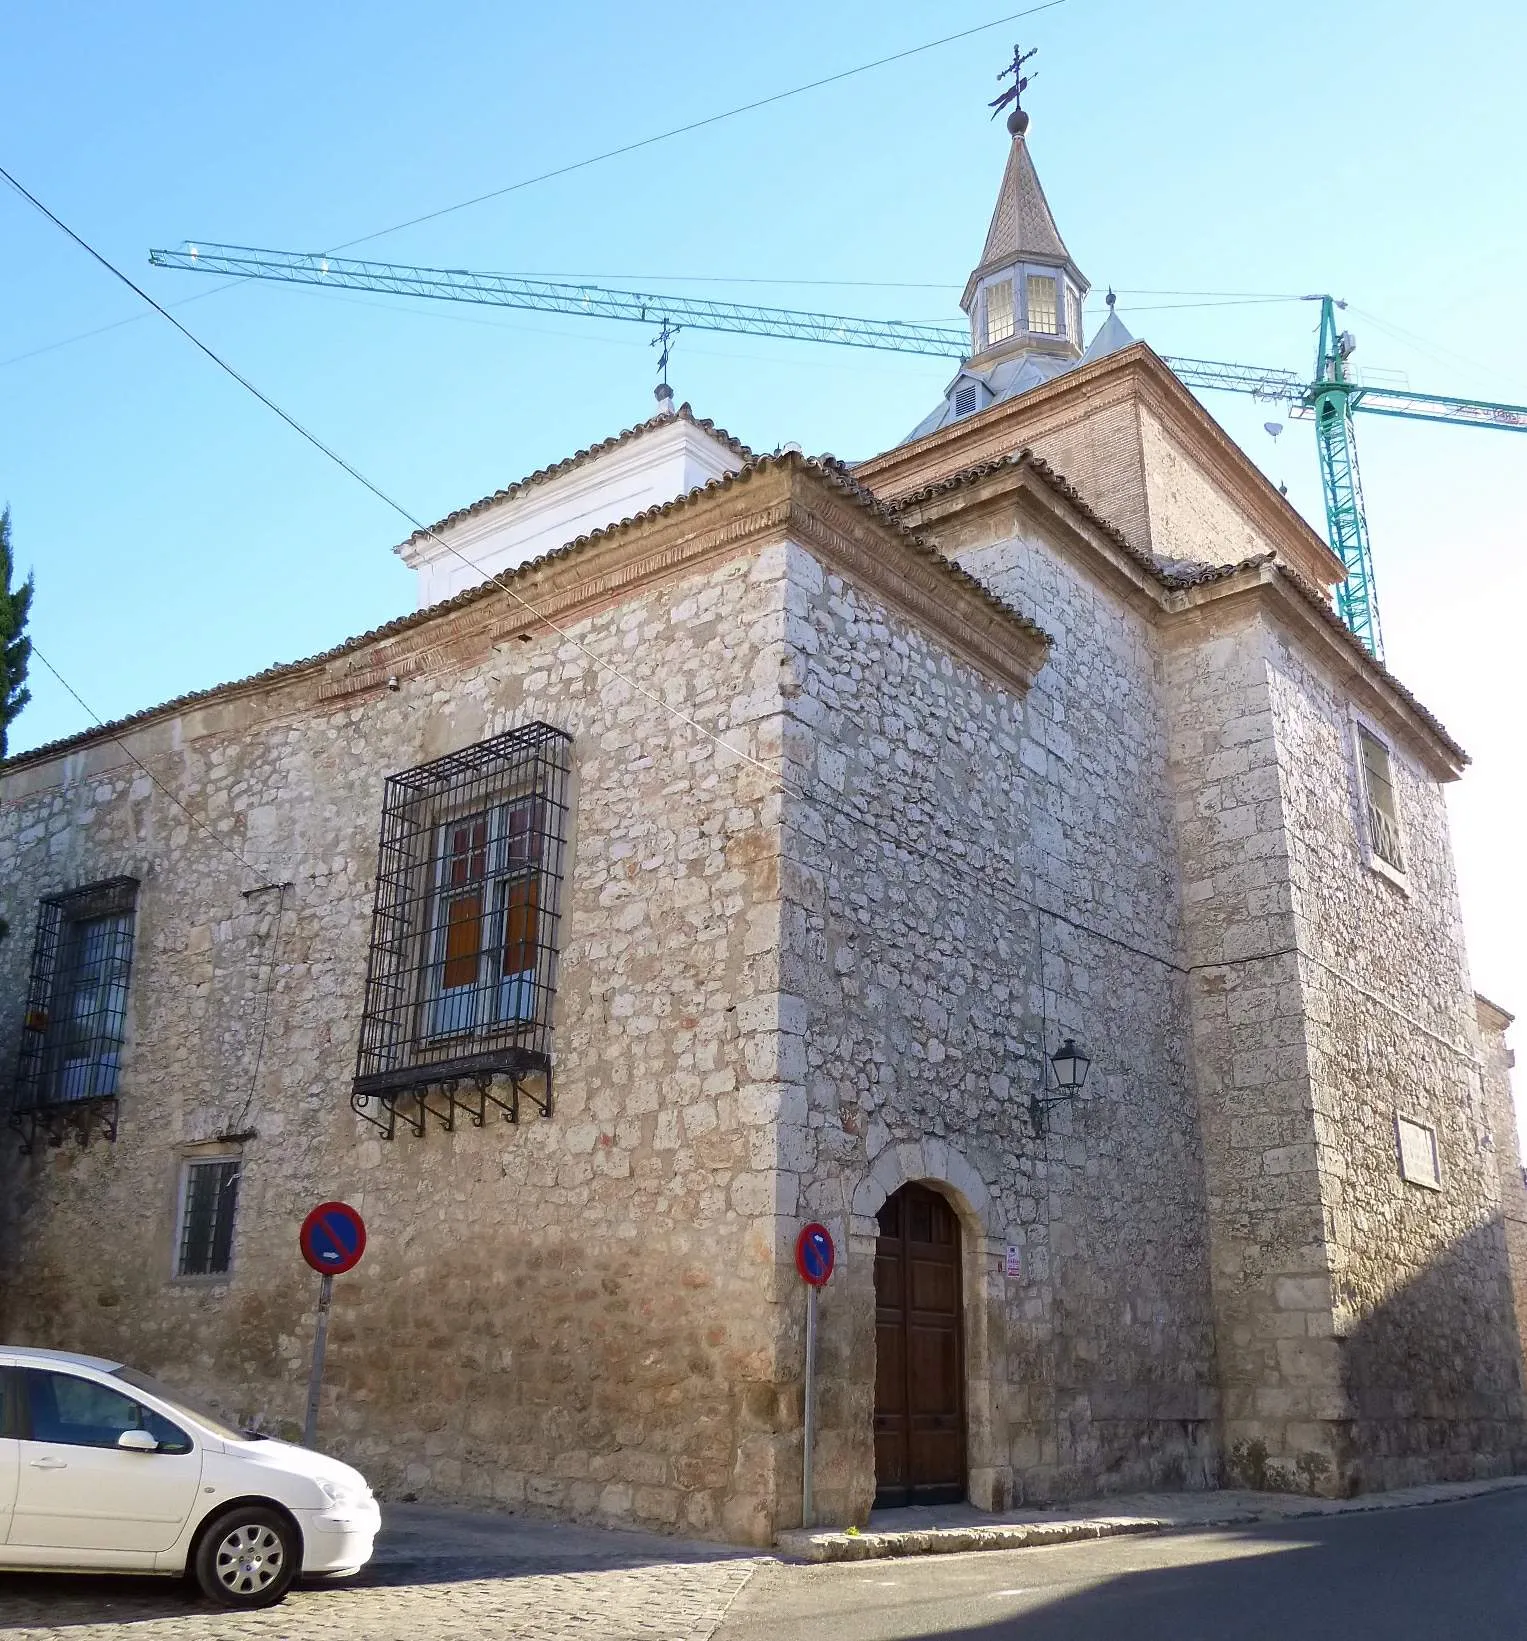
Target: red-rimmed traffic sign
<point>333,1238</point>
<point>814,1254</point>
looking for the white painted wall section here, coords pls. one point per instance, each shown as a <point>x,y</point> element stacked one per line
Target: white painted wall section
<point>662,461</point>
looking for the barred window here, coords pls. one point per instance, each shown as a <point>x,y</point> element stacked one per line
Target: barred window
<point>1044,314</point>
<point>209,1198</point>
<point>999,311</point>
<point>1378,789</point>
<point>1074,314</point>
<point>462,971</point>
<point>76,1015</point>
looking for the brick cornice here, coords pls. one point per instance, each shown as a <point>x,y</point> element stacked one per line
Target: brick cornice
<point>1134,375</point>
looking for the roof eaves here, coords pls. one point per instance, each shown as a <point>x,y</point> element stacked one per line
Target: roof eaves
<point>1182,574</point>
<point>826,468</point>
<point>569,463</point>
<point>1056,481</point>
<point>839,475</point>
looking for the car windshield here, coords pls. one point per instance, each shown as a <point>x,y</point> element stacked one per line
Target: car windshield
<point>218,1425</point>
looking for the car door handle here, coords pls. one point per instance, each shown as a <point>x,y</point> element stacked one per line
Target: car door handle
<point>50,1464</point>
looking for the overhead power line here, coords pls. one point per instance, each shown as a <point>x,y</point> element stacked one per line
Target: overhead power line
<point>978,882</point>
<point>699,125</point>
<point>584,164</point>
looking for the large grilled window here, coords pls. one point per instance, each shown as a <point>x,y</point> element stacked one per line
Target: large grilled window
<point>76,1017</point>
<point>462,971</point>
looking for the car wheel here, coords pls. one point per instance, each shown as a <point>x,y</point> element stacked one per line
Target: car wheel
<point>248,1558</point>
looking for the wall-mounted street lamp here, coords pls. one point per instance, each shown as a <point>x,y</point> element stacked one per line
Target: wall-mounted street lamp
<point>1069,1065</point>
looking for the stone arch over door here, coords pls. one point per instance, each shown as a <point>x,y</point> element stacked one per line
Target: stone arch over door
<point>943,1169</point>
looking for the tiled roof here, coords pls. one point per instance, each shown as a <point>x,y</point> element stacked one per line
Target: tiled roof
<point>1506,1015</point>
<point>827,469</point>
<point>1021,223</point>
<point>1180,574</point>
<point>579,457</point>
<point>1058,482</point>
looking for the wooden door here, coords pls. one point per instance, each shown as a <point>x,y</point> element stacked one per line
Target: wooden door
<point>919,1353</point>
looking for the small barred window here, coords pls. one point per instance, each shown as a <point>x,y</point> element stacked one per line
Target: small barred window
<point>209,1198</point>
<point>462,971</point>
<point>76,1015</point>
<point>1383,812</point>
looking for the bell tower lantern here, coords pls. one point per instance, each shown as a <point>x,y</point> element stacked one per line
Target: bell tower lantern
<point>1025,293</point>
<point>1024,297</point>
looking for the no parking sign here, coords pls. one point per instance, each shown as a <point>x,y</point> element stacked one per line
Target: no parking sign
<point>332,1239</point>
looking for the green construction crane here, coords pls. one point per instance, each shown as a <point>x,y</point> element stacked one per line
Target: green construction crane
<point>1330,399</point>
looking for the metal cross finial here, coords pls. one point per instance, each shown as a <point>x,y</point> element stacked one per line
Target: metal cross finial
<point>1017,121</point>
<point>664,340</point>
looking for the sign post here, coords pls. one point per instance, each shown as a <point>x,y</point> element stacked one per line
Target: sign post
<point>814,1258</point>
<point>332,1239</point>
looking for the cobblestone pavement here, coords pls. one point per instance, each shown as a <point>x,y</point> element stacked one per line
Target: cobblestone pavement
<point>438,1575</point>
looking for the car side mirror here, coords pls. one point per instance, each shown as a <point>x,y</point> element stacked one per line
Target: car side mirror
<point>137,1441</point>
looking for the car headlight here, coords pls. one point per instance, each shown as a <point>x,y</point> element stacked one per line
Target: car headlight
<point>343,1495</point>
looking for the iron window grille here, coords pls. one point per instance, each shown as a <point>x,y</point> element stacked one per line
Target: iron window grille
<point>76,1014</point>
<point>209,1199</point>
<point>462,973</point>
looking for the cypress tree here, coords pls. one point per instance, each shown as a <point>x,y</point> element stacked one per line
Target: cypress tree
<point>15,646</point>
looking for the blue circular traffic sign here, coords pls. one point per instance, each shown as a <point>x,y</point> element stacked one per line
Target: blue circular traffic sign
<point>333,1238</point>
<point>814,1254</point>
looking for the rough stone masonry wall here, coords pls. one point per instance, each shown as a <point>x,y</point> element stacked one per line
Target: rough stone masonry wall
<point>940,811</point>
<point>1422,1309</point>
<point>578,1314</point>
<point>1360,1319</point>
<point>1499,1060</point>
<point>1279,1379</point>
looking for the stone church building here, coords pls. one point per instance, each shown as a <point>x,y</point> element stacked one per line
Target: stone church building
<point>997,851</point>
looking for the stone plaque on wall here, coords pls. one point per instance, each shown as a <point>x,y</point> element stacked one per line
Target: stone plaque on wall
<point>1418,1153</point>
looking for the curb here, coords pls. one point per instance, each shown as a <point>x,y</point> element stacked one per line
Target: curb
<point>817,1547</point>
<point>932,1541</point>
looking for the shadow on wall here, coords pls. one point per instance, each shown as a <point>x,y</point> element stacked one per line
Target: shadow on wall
<point>1406,1575</point>
<point>1432,1377</point>
<point>1434,1373</point>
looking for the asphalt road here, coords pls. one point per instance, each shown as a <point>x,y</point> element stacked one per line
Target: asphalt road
<point>1446,1572</point>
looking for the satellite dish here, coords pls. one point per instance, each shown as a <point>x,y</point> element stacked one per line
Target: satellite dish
<point>1275,428</point>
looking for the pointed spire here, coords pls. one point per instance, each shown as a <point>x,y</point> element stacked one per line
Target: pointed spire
<point>1112,335</point>
<point>1021,224</point>
<point>1022,233</point>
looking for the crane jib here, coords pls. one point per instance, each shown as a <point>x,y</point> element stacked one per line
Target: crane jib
<point>1331,397</point>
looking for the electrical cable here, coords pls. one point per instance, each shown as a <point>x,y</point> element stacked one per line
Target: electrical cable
<point>980,883</point>
<point>581,165</point>
<point>190,814</point>
<point>698,125</point>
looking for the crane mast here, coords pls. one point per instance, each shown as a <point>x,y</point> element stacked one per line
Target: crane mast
<point>1329,399</point>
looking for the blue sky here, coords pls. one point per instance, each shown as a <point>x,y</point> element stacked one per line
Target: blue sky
<point>182,536</point>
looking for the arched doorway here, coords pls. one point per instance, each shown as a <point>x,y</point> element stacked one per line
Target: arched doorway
<point>919,1352</point>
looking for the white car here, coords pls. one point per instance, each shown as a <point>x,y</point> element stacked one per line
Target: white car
<point>104,1470</point>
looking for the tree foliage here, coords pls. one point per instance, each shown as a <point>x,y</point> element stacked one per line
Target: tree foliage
<point>15,646</point>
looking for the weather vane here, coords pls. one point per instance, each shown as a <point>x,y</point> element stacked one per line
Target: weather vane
<point>1017,121</point>
<point>664,340</point>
